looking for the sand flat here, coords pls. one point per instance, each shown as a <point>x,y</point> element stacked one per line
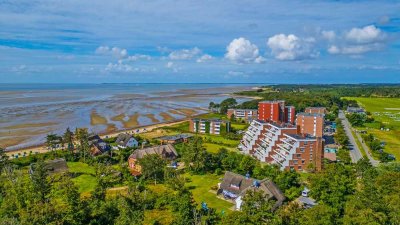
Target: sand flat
<point>132,121</point>
<point>166,116</point>
<point>96,119</point>
<point>152,118</point>
<point>118,118</point>
<point>28,125</point>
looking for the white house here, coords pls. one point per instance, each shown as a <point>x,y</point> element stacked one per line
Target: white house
<point>126,141</point>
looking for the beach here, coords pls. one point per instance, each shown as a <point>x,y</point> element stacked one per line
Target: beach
<point>29,113</point>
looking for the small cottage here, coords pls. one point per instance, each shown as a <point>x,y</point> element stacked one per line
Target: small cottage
<point>126,141</point>
<point>98,146</point>
<point>165,151</point>
<point>234,186</point>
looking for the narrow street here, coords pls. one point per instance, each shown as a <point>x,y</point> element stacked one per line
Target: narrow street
<point>355,152</point>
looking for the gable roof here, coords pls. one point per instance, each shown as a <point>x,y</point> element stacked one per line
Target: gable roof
<point>161,150</point>
<point>123,139</point>
<point>239,185</point>
<point>53,166</point>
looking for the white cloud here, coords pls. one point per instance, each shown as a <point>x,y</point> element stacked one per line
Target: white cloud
<point>358,41</point>
<point>119,53</point>
<point>365,35</point>
<point>334,49</point>
<point>290,47</point>
<point>329,35</point>
<point>172,66</point>
<point>204,58</point>
<point>119,67</point>
<point>184,54</point>
<point>137,57</point>
<point>241,50</point>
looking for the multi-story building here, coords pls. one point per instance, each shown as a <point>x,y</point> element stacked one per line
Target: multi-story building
<point>319,110</point>
<point>209,126</point>
<point>276,111</point>
<point>271,111</point>
<point>298,152</point>
<point>274,138</point>
<point>290,114</point>
<point>311,123</point>
<point>244,114</point>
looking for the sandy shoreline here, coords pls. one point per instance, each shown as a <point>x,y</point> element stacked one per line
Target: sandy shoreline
<point>136,130</point>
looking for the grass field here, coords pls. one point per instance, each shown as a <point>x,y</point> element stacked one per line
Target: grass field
<point>214,148</point>
<point>200,186</point>
<point>387,111</point>
<point>83,176</point>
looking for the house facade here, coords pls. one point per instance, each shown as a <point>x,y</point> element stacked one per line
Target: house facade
<point>276,111</point>
<point>243,114</point>
<point>126,141</point>
<point>209,126</point>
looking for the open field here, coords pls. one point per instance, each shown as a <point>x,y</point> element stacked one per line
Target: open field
<point>387,111</point>
<point>83,176</point>
<point>200,186</point>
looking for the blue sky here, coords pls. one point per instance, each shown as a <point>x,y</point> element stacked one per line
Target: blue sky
<point>75,41</point>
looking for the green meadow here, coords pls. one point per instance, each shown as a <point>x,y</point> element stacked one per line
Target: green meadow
<point>387,111</point>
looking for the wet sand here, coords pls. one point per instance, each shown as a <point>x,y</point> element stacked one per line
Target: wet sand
<point>96,119</point>
<point>118,118</point>
<point>132,121</point>
<point>166,116</point>
<point>152,118</point>
<point>28,125</point>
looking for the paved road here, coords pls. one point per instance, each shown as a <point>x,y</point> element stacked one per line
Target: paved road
<point>355,152</point>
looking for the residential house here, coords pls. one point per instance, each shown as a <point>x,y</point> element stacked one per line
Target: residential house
<point>175,139</point>
<point>53,166</point>
<point>126,141</point>
<point>98,145</point>
<point>234,186</point>
<point>165,151</point>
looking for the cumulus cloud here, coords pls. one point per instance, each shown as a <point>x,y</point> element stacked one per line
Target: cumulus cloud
<point>204,58</point>
<point>119,67</point>
<point>291,47</point>
<point>184,54</point>
<point>365,35</point>
<point>119,53</point>
<point>172,66</point>
<point>241,50</point>
<point>358,41</point>
<point>329,35</point>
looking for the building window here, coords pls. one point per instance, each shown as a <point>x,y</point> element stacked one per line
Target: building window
<point>302,149</point>
<point>303,161</point>
<point>299,168</point>
<point>295,162</point>
<point>305,143</point>
<point>298,155</point>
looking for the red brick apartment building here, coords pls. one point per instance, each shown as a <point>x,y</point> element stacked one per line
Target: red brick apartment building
<point>274,138</point>
<point>311,123</point>
<point>244,114</point>
<point>319,110</point>
<point>276,111</point>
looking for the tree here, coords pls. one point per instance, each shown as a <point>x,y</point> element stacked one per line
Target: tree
<point>3,160</point>
<point>258,208</point>
<point>194,155</point>
<point>40,182</point>
<point>226,104</point>
<point>83,138</point>
<point>153,167</point>
<point>318,215</point>
<point>68,138</point>
<point>52,140</point>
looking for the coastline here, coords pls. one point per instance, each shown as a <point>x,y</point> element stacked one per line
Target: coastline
<point>142,129</point>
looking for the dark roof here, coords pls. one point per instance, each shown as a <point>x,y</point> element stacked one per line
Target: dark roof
<point>162,150</point>
<point>175,137</point>
<point>123,139</point>
<point>99,144</point>
<point>239,185</point>
<point>54,166</point>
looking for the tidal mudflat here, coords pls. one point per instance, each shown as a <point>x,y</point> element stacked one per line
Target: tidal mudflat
<point>30,112</point>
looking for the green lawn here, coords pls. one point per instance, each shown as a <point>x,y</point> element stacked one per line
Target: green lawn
<point>83,176</point>
<point>214,148</point>
<point>200,186</point>
<point>157,215</point>
<point>387,111</point>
